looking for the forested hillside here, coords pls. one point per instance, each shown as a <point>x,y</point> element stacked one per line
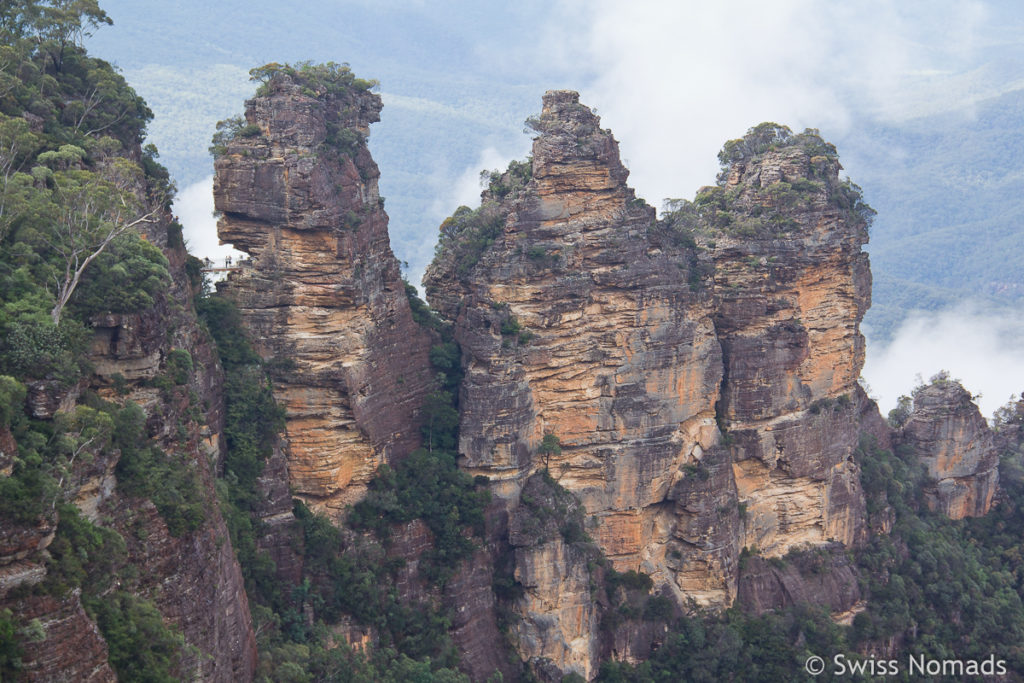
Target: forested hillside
<point>947,188</point>
<point>109,390</point>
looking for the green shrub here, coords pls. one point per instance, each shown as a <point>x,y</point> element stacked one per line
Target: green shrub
<point>500,184</point>
<point>510,327</point>
<point>421,313</point>
<point>468,234</point>
<point>630,580</point>
<point>658,608</point>
<point>141,647</point>
<point>428,486</point>
<point>10,646</point>
<point>229,129</point>
<point>127,277</point>
<point>145,471</point>
<point>31,346</point>
<point>347,141</point>
<point>179,366</point>
<point>175,236</point>
<point>447,359</point>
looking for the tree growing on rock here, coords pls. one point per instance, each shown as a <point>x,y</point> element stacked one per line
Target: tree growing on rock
<point>89,212</point>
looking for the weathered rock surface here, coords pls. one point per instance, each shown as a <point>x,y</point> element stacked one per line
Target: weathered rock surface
<point>635,342</point>
<point>623,365</point>
<point>281,534</point>
<point>824,576</point>
<point>793,285</point>
<point>322,293</point>
<point>72,648</point>
<point>558,613</point>
<point>953,441</point>
<point>560,620</point>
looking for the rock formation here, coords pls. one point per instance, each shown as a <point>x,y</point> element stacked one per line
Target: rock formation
<point>946,431</point>
<point>631,344</point>
<point>573,324</point>
<point>560,617</point>
<point>322,293</point>
<point>823,576</point>
<point>792,286</point>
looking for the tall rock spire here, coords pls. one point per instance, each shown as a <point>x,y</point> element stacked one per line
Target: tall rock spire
<point>321,291</point>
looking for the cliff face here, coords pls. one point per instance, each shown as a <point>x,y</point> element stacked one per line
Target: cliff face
<point>559,613</point>
<point>193,577</point>
<point>823,576</point>
<point>633,341</point>
<point>575,324</point>
<point>793,286</point>
<point>190,575</point>
<point>950,437</point>
<point>322,292</point>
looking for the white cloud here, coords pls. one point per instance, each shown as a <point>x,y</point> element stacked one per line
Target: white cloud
<point>194,208</point>
<point>467,187</point>
<point>676,80</point>
<point>977,346</point>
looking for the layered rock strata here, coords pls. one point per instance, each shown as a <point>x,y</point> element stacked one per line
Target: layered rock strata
<point>695,377</point>
<point>322,293</point>
<point>953,441</point>
<point>792,285</point>
<point>576,324</point>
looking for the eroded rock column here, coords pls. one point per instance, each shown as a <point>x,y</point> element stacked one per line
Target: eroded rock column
<point>321,291</point>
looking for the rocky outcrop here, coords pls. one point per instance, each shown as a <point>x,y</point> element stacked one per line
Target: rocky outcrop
<point>575,324</point>
<point>322,293</point>
<point>824,576</point>
<point>692,381</point>
<point>954,443</point>
<point>793,285</point>
<point>559,615</point>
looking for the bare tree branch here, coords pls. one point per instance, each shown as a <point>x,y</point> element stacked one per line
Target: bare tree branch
<point>75,264</point>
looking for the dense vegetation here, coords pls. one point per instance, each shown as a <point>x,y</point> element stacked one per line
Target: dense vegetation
<point>69,191</point>
<point>77,193</point>
<point>347,573</point>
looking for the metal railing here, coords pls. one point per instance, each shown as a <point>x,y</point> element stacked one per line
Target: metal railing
<point>227,263</point>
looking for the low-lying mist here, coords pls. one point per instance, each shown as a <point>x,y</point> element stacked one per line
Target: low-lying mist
<point>194,208</point>
<point>978,345</point>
